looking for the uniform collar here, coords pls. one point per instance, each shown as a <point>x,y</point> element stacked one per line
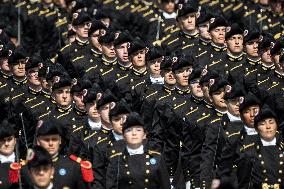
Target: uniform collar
<point>168,89</point>
<point>62,110</point>
<point>169,16</point>
<point>94,125</point>
<point>208,105</point>
<point>79,112</point>
<point>182,91</point>
<point>195,99</point>
<point>20,82</point>
<point>250,131</point>
<point>96,52</point>
<point>267,68</point>
<point>159,80</point>
<point>108,62</point>
<point>50,186</point>
<point>279,75</point>
<point>122,67</point>
<point>34,92</point>
<point>46,94</point>
<point>205,42</point>
<point>218,48</point>
<point>80,42</point>
<point>117,136</point>
<point>233,118</point>
<point>235,58</point>
<point>139,73</point>
<point>55,157</point>
<point>266,143</point>
<point>190,36</point>
<point>6,76</point>
<point>220,113</point>
<point>252,61</point>
<point>7,159</point>
<point>137,151</point>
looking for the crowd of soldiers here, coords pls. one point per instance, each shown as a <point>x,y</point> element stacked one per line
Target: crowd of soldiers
<point>144,94</point>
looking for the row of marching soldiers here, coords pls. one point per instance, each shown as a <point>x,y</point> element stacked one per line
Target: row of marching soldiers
<point>201,109</point>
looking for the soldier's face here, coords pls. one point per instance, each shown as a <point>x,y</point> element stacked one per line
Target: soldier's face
<point>108,50</point>
<point>204,31</point>
<point>95,39</point>
<point>4,65</point>
<point>169,7</point>
<point>266,56</point>
<point>78,99</point>
<point>196,88</point>
<point>18,69</point>
<point>41,176</point>
<point>92,111</point>
<point>235,43</point>
<point>154,66</point>
<point>33,77</point>
<point>7,145</point>
<point>62,96</point>
<point>134,136</point>
<point>50,142</point>
<point>218,35</point>
<point>138,59</point>
<point>104,112</point>
<point>218,99</point>
<point>248,115</point>
<point>252,48</point>
<point>122,52</point>
<point>117,123</point>
<point>44,84</point>
<point>267,129</point>
<point>188,22</point>
<point>82,30</point>
<point>182,75</point>
<point>169,77</point>
<point>233,106</point>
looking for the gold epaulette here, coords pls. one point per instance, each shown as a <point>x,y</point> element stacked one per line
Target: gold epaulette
<point>151,152</point>
<point>246,146</point>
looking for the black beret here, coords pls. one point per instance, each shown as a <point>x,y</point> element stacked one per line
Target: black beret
<point>167,63</point>
<point>7,129</point>
<point>217,22</point>
<point>123,37</point>
<point>80,85</point>
<point>49,127</point>
<point>80,17</point>
<point>249,100</point>
<point>61,81</point>
<point>37,157</point>
<point>266,42</point>
<point>18,54</point>
<point>251,34</point>
<point>92,94</point>
<point>216,84</point>
<point>196,73</point>
<point>264,113</point>
<point>184,9</point>
<point>154,53</point>
<point>34,62</point>
<point>234,29</point>
<point>276,48</point>
<point>120,107</point>
<point>106,97</point>
<point>234,91</point>
<point>109,37</point>
<point>133,119</point>
<point>204,17</point>
<point>207,75</point>
<point>136,45</point>
<point>182,62</point>
<point>96,25</point>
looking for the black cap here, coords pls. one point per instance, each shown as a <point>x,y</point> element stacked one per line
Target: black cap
<point>54,70</point>
<point>184,9</point>
<point>80,17</point>
<point>123,37</point>
<point>5,52</point>
<point>276,48</point>
<point>207,75</point>
<point>104,13</point>
<point>167,63</point>
<point>70,33</point>
<point>105,98</point>
<point>196,73</point>
<point>264,113</point>
<point>251,34</point>
<point>92,94</point>
<point>61,81</point>
<point>38,156</point>
<point>96,25</point>
<point>81,85</point>
<point>49,127</point>
<point>7,129</point>
<point>18,54</point>
<point>182,62</point>
<point>234,91</point>
<point>217,22</point>
<point>108,38</point>
<point>249,100</point>
<point>136,45</point>
<point>216,84</point>
<point>154,53</point>
<point>34,62</point>
<point>133,119</point>
<point>204,17</point>
<point>120,107</point>
<point>266,42</point>
<point>234,29</point>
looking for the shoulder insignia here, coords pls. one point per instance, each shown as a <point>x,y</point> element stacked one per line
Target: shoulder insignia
<point>151,152</point>
<point>62,49</point>
<point>246,146</point>
<point>237,7</point>
<point>151,94</point>
<point>204,117</point>
<point>90,135</point>
<point>117,154</point>
<point>104,139</point>
<point>233,134</point>
<point>78,58</point>
<point>169,43</point>
<point>20,4</point>
<point>215,120</point>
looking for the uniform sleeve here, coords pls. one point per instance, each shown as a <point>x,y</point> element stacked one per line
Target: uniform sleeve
<point>164,179</point>
<point>244,172</point>
<point>99,166</point>
<point>112,174</point>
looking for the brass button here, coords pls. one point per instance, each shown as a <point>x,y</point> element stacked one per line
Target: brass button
<point>128,173</point>
<point>147,171</point>
<point>146,180</point>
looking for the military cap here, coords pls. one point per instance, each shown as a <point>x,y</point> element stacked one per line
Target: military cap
<point>207,75</point>
<point>251,34</point>
<point>154,53</point>
<point>234,29</point>
<point>234,91</point>
<point>249,100</point>
<point>54,70</point>
<point>120,107</point>
<point>18,54</point>
<point>133,119</point>
<point>80,17</point>
<point>108,38</point>
<point>96,25</point>
<point>183,61</point>
<point>136,45</point>
<point>217,22</point>
<point>5,52</point>
<point>196,73</point>
<point>186,8</point>
<point>49,127</point>
<point>104,13</point>
<point>216,84</point>
<point>105,98</point>
<point>267,41</point>
<point>167,63</point>
<point>7,129</point>
<point>70,33</point>
<point>78,5</point>
<point>92,94</point>
<point>204,17</point>
<point>264,113</point>
<point>38,156</point>
<point>61,81</point>
<point>276,48</point>
<point>81,85</point>
<point>34,62</point>
<point>123,37</point>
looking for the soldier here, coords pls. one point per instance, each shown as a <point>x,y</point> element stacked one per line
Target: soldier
<point>138,166</point>
<point>154,58</point>
<point>5,71</point>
